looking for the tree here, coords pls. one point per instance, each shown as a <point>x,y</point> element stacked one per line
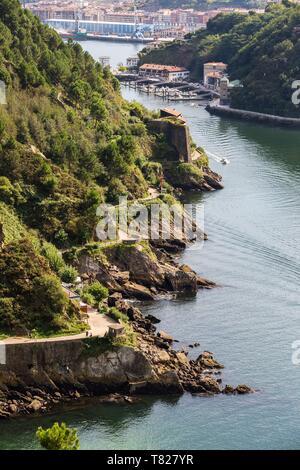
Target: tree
<point>58,437</point>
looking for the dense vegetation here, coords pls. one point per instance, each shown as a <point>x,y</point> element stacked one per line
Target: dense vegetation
<point>68,141</point>
<point>262,50</point>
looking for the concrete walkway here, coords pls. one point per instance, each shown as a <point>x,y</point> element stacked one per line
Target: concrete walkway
<point>98,323</point>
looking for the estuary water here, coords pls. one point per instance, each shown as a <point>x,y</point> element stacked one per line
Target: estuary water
<point>250,322</point>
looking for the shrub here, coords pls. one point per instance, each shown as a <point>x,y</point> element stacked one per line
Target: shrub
<point>98,291</point>
<point>58,437</point>
<point>88,298</point>
<point>68,274</point>
<point>6,190</point>
<point>48,297</point>
<point>117,315</point>
<point>53,256</point>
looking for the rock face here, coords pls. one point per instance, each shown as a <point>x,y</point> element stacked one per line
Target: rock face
<point>141,273</point>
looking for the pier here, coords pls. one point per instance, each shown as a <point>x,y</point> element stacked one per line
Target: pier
<point>172,91</point>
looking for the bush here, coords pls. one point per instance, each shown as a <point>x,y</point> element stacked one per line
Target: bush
<point>53,256</point>
<point>115,190</point>
<point>6,190</point>
<point>98,291</point>
<point>94,293</point>
<point>59,437</point>
<point>117,315</point>
<point>68,274</point>
<point>48,297</point>
<point>88,298</point>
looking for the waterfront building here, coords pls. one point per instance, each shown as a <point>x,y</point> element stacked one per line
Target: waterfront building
<point>100,27</point>
<point>170,73</point>
<point>132,62</point>
<point>213,72</point>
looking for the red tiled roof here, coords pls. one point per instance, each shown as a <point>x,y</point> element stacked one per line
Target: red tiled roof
<point>172,112</point>
<point>219,64</point>
<point>163,68</point>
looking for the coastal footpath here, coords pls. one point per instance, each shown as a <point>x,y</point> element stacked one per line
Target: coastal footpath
<point>38,375</point>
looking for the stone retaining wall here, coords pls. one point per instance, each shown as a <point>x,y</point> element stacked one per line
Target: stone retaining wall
<point>253,116</point>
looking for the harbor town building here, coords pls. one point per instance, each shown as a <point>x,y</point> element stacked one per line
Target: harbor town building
<point>169,73</point>
<point>213,72</point>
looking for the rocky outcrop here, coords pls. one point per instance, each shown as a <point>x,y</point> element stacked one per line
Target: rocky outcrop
<point>212,179</point>
<point>192,178</point>
<point>143,273</point>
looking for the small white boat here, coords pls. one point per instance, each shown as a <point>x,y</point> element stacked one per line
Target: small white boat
<point>224,161</point>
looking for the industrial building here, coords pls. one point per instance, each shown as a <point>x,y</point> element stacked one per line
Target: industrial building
<point>100,27</point>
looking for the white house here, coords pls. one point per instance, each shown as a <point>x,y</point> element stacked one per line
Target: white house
<point>170,73</point>
<point>132,62</point>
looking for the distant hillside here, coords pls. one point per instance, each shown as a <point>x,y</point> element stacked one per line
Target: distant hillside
<point>262,50</point>
<point>198,4</point>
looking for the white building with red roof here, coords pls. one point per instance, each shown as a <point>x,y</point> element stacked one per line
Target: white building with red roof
<point>170,73</point>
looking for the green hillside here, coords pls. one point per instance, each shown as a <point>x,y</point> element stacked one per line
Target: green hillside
<point>67,142</point>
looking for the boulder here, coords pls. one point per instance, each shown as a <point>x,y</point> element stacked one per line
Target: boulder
<point>161,343</point>
<point>206,360</point>
<point>112,299</point>
<point>228,390</point>
<point>180,281</point>
<point>13,408</point>
<point>153,319</point>
<point>163,356</point>
<point>209,384</point>
<point>4,414</point>
<point>170,382</point>
<point>182,359</point>
<point>243,389</point>
<point>140,263</point>
<point>131,289</point>
<point>165,336</point>
<point>35,405</point>
<point>205,283</point>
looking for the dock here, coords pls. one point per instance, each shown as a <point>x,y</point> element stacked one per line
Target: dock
<point>172,91</point>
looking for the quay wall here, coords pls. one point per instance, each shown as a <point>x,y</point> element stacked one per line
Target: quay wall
<point>253,116</point>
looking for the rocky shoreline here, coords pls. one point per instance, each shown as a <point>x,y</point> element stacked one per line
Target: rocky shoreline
<point>117,374</point>
<point>142,272</point>
<point>165,371</point>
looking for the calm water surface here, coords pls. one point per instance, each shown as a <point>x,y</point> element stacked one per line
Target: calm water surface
<point>249,323</point>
